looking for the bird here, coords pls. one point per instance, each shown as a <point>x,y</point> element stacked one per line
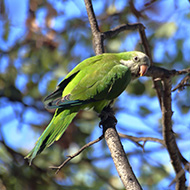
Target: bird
<point>92,84</point>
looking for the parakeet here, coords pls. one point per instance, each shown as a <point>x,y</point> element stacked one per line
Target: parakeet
<point>93,83</point>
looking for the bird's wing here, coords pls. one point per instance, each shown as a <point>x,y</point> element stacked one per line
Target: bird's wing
<point>59,90</point>
<point>102,78</point>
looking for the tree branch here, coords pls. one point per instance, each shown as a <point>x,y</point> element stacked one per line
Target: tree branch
<point>163,89</point>
<point>153,71</point>
<point>168,133</point>
<point>115,31</point>
<point>97,35</point>
<point>70,157</point>
<point>178,175</point>
<point>184,82</point>
<point>138,139</point>
<point>160,72</point>
<point>117,152</point>
<point>112,139</point>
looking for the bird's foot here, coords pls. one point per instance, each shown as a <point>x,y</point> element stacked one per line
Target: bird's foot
<point>106,115</point>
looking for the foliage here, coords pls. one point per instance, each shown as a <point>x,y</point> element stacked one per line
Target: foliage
<point>40,42</point>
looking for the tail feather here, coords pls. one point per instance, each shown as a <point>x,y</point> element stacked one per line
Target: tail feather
<point>53,132</point>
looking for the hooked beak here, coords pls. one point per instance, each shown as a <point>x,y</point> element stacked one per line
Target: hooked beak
<point>143,70</point>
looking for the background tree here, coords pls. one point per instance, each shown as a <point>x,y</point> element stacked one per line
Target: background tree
<point>41,41</point>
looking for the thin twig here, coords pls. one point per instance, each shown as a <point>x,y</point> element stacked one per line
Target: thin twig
<point>115,31</point>
<point>138,139</point>
<point>183,83</point>
<point>179,174</point>
<point>70,157</point>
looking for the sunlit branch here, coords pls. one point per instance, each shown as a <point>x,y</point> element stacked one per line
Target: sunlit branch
<point>144,139</point>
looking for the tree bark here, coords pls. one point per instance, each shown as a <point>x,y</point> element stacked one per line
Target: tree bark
<point>168,134</point>
<point>118,155</point>
<point>98,41</point>
<point>110,134</point>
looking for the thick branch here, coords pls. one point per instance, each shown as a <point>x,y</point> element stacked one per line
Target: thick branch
<point>97,35</point>
<point>168,133</point>
<point>120,160</point>
<point>160,72</point>
<point>117,152</point>
<point>164,96</point>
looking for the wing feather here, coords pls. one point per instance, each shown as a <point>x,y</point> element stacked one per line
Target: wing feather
<point>92,80</point>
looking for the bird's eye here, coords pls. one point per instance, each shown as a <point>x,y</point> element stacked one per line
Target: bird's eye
<point>136,58</point>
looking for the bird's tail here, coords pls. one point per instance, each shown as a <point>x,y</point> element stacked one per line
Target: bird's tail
<point>53,132</point>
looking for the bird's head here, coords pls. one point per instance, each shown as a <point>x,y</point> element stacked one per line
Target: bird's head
<point>137,62</point>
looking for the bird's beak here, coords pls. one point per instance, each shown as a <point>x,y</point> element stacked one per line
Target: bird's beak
<point>143,70</point>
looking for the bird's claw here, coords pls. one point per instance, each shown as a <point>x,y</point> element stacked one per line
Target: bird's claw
<point>107,113</point>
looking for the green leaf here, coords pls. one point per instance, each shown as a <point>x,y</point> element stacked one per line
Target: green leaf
<point>185,109</point>
<point>166,30</point>
<point>144,111</point>
<point>52,85</point>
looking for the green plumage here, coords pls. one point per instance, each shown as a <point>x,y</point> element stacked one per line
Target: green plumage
<point>93,83</point>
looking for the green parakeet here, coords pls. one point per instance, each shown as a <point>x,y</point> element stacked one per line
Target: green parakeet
<point>93,83</point>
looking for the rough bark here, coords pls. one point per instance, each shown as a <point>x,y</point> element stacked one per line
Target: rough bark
<point>111,136</point>
<point>168,134</point>
<point>118,154</point>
